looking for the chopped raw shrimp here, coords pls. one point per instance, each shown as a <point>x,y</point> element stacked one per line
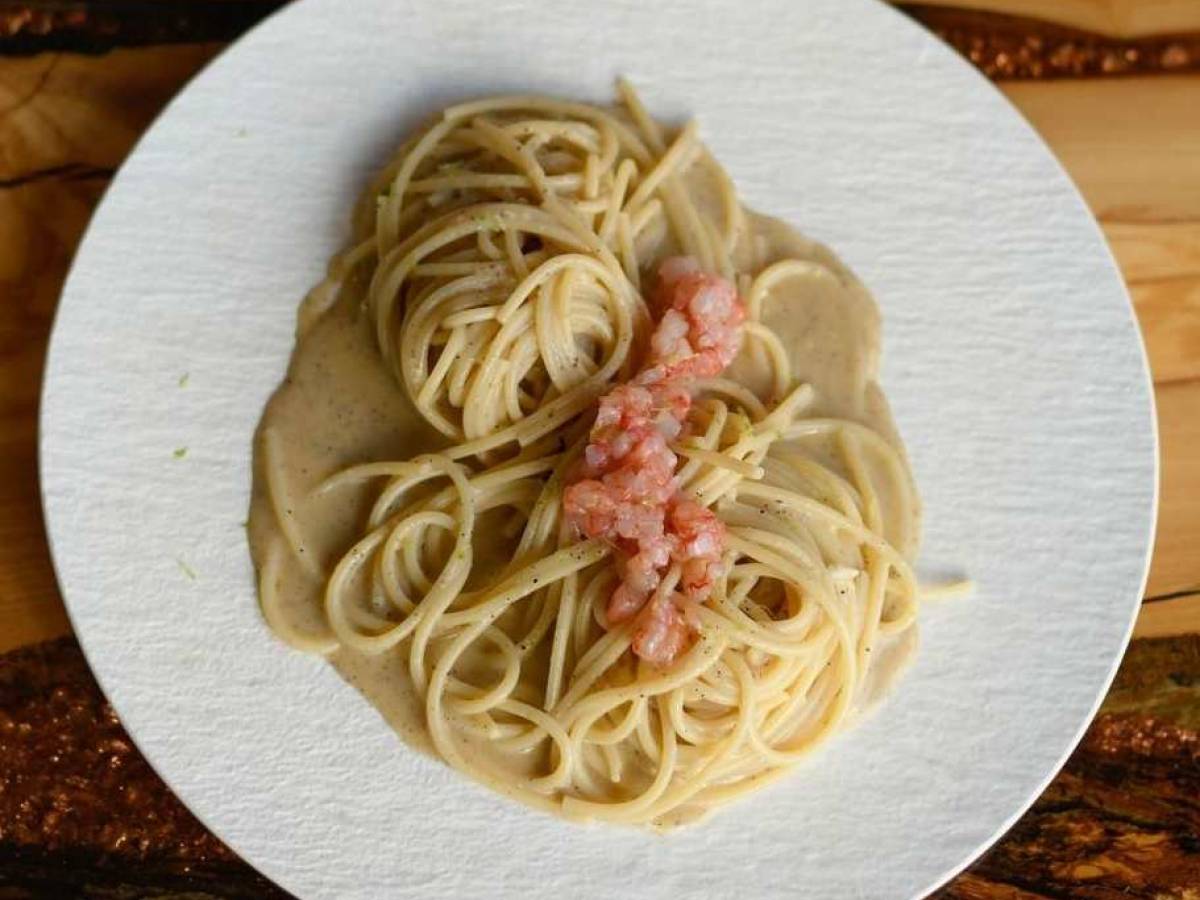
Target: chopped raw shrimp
<point>629,494</point>
<point>701,539</point>
<point>625,603</point>
<point>699,333</point>
<point>630,437</point>
<point>661,632</point>
<point>641,575</point>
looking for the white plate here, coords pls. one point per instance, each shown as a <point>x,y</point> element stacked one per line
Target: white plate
<point>1011,357</point>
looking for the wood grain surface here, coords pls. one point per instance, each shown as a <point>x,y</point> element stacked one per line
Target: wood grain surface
<point>1119,18</point>
<point>1118,821</point>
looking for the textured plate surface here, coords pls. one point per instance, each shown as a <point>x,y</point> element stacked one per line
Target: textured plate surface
<point>1010,355</point>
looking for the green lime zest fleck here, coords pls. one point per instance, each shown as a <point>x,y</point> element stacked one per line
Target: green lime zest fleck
<point>180,452</point>
<point>183,380</point>
<point>185,568</point>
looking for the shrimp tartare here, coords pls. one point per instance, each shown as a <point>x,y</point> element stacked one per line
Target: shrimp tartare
<point>628,493</point>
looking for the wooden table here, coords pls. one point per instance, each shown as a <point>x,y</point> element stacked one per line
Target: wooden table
<point>80,81</point>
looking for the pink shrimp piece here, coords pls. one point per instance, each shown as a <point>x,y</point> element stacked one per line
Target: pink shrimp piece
<point>699,333</point>
<point>672,402</point>
<point>590,508</point>
<point>624,604</point>
<point>629,493</point>
<point>701,537</point>
<point>635,417</point>
<point>647,474</point>
<point>642,574</point>
<point>661,632</point>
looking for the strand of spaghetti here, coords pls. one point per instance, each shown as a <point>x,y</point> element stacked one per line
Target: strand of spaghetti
<point>777,357</point>
<point>852,459</point>
<point>725,750</point>
<point>503,145</point>
<point>793,505</point>
<point>732,215</point>
<point>580,715</point>
<point>534,576</point>
<point>897,471</point>
<point>477,701</point>
<point>395,267</point>
<point>876,574</point>
<point>719,460</point>
<point>630,810</point>
<point>642,119</point>
<point>608,225</point>
<point>767,280</point>
<point>949,590</point>
<point>666,165</point>
<point>629,141</point>
<point>568,596</point>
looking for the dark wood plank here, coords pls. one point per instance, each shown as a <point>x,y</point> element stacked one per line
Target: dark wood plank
<point>1010,46</point>
<point>80,809</point>
<point>96,26</point>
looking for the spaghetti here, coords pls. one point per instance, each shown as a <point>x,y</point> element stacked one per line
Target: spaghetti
<point>501,281</point>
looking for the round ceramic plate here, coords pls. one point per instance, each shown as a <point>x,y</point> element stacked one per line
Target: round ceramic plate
<point>1010,355</point>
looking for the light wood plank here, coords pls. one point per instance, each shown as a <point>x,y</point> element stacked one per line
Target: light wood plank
<point>1176,563</point>
<point>1131,144</point>
<point>1167,618</point>
<point>1155,251</point>
<point>1122,18</point>
<point>1169,314</point>
<point>1161,265</point>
